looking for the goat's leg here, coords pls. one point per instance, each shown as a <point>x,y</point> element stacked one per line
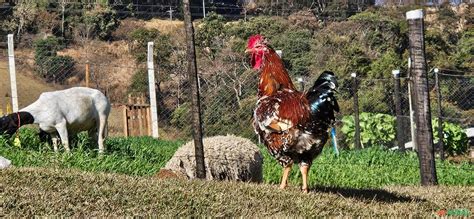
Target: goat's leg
<point>54,139</point>
<point>62,130</point>
<point>102,131</point>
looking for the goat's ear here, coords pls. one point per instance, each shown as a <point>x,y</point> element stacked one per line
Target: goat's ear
<point>3,125</point>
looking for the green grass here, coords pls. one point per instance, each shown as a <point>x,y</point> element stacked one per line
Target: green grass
<point>369,168</point>
<point>28,192</point>
<point>144,156</point>
<point>134,155</point>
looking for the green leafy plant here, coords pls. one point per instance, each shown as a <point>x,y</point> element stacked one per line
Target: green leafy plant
<point>455,139</point>
<point>49,65</point>
<point>376,129</point>
<point>379,130</point>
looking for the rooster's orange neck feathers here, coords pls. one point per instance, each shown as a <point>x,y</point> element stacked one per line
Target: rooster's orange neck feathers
<point>273,75</point>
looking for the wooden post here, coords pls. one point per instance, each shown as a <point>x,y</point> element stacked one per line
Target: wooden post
<point>125,120</point>
<point>398,110</point>
<point>440,116</point>
<point>152,90</point>
<point>87,74</point>
<point>193,77</point>
<point>148,125</point>
<point>11,64</point>
<point>356,111</point>
<point>424,135</point>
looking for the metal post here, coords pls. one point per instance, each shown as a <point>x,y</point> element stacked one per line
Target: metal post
<point>356,112</point>
<point>194,86</point>
<point>203,8</point>
<point>440,116</point>
<point>152,90</point>
<point>11,64</point>
<point>301,81</point>
<point>398,110</point>
<point>410,105</point>
<point>424,132</point>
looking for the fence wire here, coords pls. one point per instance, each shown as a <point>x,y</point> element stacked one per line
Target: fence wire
<point>228,87</point>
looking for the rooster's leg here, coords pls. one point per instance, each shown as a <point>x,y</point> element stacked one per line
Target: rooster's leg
<point>304,173</point>
<point>284,178</point>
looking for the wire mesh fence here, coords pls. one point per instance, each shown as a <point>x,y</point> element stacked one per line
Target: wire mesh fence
<point>78,53</point>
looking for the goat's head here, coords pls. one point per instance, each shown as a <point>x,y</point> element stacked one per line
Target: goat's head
<point>10,123</point>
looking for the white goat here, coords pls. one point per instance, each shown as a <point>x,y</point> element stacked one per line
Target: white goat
<point>69,112</point>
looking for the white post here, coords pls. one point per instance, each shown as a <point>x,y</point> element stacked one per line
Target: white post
<point>151,85</point>
<point>412,119</point>
<point>203,8</point>
<point>11,63</point>
<point>279,52</point>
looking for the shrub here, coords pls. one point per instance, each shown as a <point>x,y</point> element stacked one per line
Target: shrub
<point>455,139</point>
<point>210,34</point>
<point>99,22</point>
<point>49,65</point>
<point>376,129</point>
<point>379,129</point>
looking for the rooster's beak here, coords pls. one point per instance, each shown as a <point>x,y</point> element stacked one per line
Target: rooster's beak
<point>248,51</point>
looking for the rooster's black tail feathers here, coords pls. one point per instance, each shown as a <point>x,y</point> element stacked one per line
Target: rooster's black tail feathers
<point>321,98</point>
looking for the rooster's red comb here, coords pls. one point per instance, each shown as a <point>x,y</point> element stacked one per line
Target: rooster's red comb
<point>254,39</point>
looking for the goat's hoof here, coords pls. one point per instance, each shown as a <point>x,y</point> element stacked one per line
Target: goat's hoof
<point>305,190</point>
<point>282,187</point>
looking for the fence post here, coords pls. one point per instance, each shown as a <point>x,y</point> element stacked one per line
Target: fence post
<point>398,110</point>
<point>152,90</point>
<point>424,135</point>
<point>356,111</point>
<point>193,79</point>
<point>301,81</point>
<point>440,116</point>
<point>87,73</point>
<point>11,64</point>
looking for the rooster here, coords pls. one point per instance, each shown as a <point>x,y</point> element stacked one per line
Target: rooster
<point>293,125</point>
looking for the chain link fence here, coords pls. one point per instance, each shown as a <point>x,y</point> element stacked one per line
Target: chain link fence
<point>228,88</point>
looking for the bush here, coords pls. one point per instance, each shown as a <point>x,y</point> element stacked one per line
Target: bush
<point>210,34</point>
<point>376,129</point>
<point>455,139</point>
<point>379,130</point>
<point>49,65</point>
<point>99,22</point>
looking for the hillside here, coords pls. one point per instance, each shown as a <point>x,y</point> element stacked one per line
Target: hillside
<point>29,88</point>
<point>46,192</point>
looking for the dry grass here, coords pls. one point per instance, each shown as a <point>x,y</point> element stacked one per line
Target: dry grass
<point>28,87</point>
<point>48,192</point>
<point>165,26</point>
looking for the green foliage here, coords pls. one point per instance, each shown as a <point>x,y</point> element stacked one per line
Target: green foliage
<point>367,168</point>
<point>139,82</point>
<point>162,51</point>
<point>162,46</point>
<point>455,139</point>
<point>376,129</point>
<point>296,47</point>
<point>210,34</point>
<point>381,68</point>
<point>465,50</point>
<point>49,65</point>
<point>99,22</point>
<point>379,130</point>
<point>267,26</point>
<point>134,156</point>
<point>181,118</point>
